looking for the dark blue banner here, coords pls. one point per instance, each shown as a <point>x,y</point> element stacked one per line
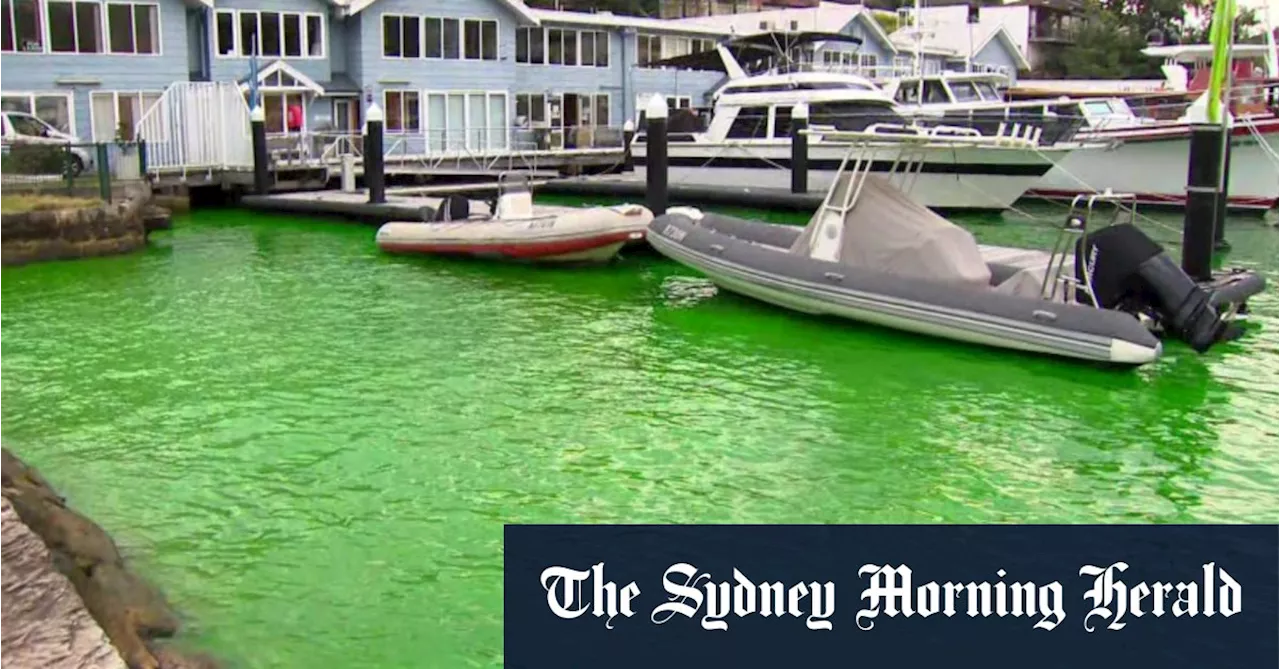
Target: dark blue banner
<point>899,596</point>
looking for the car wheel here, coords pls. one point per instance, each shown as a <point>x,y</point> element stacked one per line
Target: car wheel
<point>75,165</point>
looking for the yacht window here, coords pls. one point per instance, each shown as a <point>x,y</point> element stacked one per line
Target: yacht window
<point>750,122</point>
<point>831,85</point>
<point>1097,107</point>
<point>935,93</point>
<point>781,121</point>
<point>965,91</point>
<point>987,90</point>
<point>851,115</point>
<point>908,93</point>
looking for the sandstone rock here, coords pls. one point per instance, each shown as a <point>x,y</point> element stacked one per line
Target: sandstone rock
<point>45,624</point>
<point>74,233</point>
<point>129,610</point>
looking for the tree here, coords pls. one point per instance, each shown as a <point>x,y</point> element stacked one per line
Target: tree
<point>1108,45</point>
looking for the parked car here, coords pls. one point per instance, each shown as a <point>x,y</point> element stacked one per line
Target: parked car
<point>22,128</point>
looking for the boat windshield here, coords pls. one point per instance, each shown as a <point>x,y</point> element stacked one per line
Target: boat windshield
<point>987,90</point>
<point>965,91</point>
<point>1098,108</point>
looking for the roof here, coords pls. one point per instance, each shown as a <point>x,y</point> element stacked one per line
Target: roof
<point>611,20</point>
<point>516,7</point>
<point>752,48</point>
<point>952,40</point>
<point>302,80</point>
<point>822,16</point>
<point>1188,52</point>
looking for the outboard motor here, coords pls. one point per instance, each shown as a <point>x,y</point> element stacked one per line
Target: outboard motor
<point>453,208</point>
<point>1130,270</point>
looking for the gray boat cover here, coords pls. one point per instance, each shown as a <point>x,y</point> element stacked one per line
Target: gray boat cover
<point>888,232</point>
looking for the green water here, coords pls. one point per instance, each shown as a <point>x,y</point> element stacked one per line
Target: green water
<point>313,447</point>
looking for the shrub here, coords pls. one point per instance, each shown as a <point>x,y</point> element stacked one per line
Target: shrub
<point>35,159</point>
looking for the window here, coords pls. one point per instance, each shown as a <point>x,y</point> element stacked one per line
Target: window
<point>249,34</point>
<point>555,46</point>
<point>965,91</point>
<point>280,34</point>
<point>474,119</point>
<point>23,28</point>
<point>601,116</point>
<point>594,48</point>
<point>54,109</point>
<point>782,121</point>
<point>852,115</point>
<point>452,39</point>
<point>133,28</point>
<point>275,105</point>
<point>226,38</point>
<point>403,111</point>
<point>587,41</point>
<point>291,27</point>
<point>75,27</point>
<point>987,91</point>
<point>401,36</point>
<point>315,36</point>
<point>116,114</point>
<point>532,107</point>
<point>648,50</point>
<point>751,122</point>
<point>935,93</point>
<point>434,35</point>
<point>868,61</point>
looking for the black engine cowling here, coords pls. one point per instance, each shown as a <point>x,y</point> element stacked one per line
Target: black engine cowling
<point>1132,272</point>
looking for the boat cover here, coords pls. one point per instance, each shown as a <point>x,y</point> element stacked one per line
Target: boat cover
<point>888,232</point>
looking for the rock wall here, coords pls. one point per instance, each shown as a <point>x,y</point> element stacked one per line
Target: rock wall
<point>132,613</point>
<point>45,623</point>
<point>62,234</point>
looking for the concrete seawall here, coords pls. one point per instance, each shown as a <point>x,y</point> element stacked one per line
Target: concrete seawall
<point>69,598</point>
<point>80,232</point>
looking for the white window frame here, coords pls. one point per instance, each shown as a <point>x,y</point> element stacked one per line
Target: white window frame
<point>106,29</point>
<point>545,110</point>
<point>489,95</point>
<point>44,30</point>
<point>422,118</point>
<point>31,104</point>
<point>577,38</point>
<point>304,34</point>
<point>422,33</point>
<point>103,34</point>
<point>662,48</point>
<point>115,111</point>
<point>462,38</point>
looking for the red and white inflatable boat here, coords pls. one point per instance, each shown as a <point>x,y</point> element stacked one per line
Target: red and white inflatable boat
<point>516,231</point>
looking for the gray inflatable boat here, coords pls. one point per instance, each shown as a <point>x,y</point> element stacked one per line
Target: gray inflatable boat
<point>871,254</point>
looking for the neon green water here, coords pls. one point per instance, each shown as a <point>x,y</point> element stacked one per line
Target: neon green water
<point>312,447</point>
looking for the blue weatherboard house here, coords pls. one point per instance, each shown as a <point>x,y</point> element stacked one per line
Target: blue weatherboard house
<point>446,73</point>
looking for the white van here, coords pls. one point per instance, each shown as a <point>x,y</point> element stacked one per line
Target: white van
<point>23,128</point>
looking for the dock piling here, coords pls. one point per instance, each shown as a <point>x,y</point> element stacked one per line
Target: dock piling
<point>656,155</point>
<point>261,160</point>
<point>374,176</point>
<point>348,173</point>
<point>628,134</point>
<point>1204,186</point>
<point>1224,193</point>
<point>800,148</point>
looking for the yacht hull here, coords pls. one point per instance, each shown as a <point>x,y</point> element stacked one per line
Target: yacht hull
<point>1152,165</point>
<point>950,178</point>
